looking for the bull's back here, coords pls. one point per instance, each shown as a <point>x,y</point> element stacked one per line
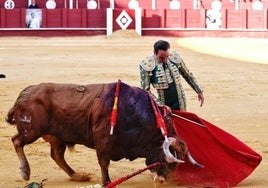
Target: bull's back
<point>55,95</point>
<point>63,95</point>
<point>57,99</point>
<point>62,110</point>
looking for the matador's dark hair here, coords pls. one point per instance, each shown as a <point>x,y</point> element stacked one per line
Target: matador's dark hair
<point>161,45</point>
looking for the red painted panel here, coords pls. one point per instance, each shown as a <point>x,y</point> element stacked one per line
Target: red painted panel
<point>223,19</point>
<point>194,19</point>
<point>84,18</point>
<point>256,19</point>
<point>266,19</point>
<point>23,17</point>
<point>54,18</point>
<point>236,19</point>
<point>74,17</point>
<point>151,19</point>
<point>2,16</point>
<point>13,18</point>
<point>44,18</point>
<point>64,17</point>
<point>174,18</point>
<point>96,18</point>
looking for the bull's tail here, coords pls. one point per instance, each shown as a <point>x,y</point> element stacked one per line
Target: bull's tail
<point>10,116</point>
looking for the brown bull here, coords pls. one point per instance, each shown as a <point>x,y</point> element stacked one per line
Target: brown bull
<point>69,114</point>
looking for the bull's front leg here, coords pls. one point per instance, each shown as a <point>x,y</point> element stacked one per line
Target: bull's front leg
<point>24,165</point>
<point>104,164</point>
<point>104,161</point>
<point>103,145</point>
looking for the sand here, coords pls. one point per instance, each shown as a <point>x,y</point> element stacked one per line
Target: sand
<point>233,76</point>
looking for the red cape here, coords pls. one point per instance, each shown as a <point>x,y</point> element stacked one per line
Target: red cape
<point>226,159</point>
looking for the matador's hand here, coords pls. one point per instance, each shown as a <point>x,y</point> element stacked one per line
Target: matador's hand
<point>201,98</point>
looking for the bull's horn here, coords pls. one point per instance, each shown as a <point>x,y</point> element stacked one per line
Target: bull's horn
<point>193,161</point>
<point>169,157</point>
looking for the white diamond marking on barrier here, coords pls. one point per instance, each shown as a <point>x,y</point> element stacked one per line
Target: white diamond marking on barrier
<point>123,20</point>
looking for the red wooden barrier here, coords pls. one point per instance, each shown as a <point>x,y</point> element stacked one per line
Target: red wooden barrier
<point>256,19</point>
<point>175,18</point>
<point>74,18</point>
<point>13,18</point>
<point>96,18</point>
<point>154,22</point>
<point>195,18</point>
<point>151,18</point>
<point>164,18</point>
<point>236,19</point>
<point>54,18</point>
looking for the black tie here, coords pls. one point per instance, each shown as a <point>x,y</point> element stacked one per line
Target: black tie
<point>164,66</point>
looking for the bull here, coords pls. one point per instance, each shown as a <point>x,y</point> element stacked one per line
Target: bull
<point>69,114</point>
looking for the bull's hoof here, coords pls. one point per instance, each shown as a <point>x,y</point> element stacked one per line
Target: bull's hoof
<point>26,177</point>
<point>25,170</point>
<point>80,176</point>
<point>25,174</point>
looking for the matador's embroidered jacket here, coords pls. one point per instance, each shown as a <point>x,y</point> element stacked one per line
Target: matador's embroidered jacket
<point>167,80</point>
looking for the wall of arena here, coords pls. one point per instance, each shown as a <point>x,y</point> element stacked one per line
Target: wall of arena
<point>148,17</point>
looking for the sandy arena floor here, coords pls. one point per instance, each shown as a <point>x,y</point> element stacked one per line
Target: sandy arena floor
<point>234,79</point>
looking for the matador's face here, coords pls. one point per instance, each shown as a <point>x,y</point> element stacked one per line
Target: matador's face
<point>162,56</point>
